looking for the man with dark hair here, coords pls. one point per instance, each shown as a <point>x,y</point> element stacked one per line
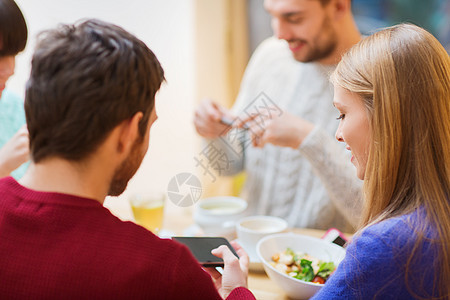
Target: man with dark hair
<point>13,133</point>
<point>89,107</point>
<point>294,167</point>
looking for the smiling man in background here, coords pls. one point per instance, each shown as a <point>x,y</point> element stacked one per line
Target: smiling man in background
<point>295,169</point>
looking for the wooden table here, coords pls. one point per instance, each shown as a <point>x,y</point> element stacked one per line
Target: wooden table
<point>177,219</point>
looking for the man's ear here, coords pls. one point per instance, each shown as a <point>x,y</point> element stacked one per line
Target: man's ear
<point>129,132</point>
<point>340,8</point>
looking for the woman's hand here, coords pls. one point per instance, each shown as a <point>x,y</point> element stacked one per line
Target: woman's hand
<point>15,152</point>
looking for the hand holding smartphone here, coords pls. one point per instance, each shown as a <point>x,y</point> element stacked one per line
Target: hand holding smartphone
<point>201,248</point>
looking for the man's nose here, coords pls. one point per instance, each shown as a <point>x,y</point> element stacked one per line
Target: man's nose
<point>281,30</point>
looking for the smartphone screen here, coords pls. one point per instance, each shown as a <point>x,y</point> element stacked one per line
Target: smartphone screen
<point>335,236</point>
<point>201,249</point>
<point>339,241</point>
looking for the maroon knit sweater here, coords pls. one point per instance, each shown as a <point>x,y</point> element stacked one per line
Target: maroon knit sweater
<point>58,246</point>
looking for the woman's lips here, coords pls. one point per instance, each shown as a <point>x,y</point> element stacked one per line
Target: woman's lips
<point>349,149</point>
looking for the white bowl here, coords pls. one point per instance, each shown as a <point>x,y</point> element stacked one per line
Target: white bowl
<point>295,288</point>
<point>252,229</point>
<point>217,216</point>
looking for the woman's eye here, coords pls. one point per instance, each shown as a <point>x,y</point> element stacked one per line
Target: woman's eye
<point>342,116</point>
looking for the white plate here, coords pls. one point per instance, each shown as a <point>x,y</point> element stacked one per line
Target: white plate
<point>255,264</point>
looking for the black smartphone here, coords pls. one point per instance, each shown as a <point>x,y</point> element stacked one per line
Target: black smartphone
<point>201,249</point>
<point>226,121</point>
<point>335,236</point>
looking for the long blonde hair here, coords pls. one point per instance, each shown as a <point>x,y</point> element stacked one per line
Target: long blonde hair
<point>402,74</point>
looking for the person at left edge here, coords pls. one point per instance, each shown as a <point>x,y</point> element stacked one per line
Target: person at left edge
<point>14,150</point>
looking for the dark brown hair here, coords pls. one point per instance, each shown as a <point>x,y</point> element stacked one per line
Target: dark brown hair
<point>85,80</point>
<point>13,29</point>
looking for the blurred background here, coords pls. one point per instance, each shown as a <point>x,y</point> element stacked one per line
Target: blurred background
<point>203,46</point>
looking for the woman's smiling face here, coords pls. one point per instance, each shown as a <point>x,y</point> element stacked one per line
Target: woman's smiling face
<point>354,129</point>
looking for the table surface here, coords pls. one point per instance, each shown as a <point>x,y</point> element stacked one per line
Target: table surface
<point>177,220</point>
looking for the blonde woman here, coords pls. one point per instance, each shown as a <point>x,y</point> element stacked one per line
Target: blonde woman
<point>393,93</point>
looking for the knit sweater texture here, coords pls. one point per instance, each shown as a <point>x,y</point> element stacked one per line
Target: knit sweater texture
<point>375,265</point>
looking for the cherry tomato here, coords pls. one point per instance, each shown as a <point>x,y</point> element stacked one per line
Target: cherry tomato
<point>318,279</point>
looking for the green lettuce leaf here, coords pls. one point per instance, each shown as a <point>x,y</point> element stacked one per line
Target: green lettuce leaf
<point>307,272</point>
<point>325,269</point>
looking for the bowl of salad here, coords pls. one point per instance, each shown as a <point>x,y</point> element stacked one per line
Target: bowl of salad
<point>299,264</point>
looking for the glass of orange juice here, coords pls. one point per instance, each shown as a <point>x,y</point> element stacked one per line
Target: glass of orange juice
<point>148,209</point>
